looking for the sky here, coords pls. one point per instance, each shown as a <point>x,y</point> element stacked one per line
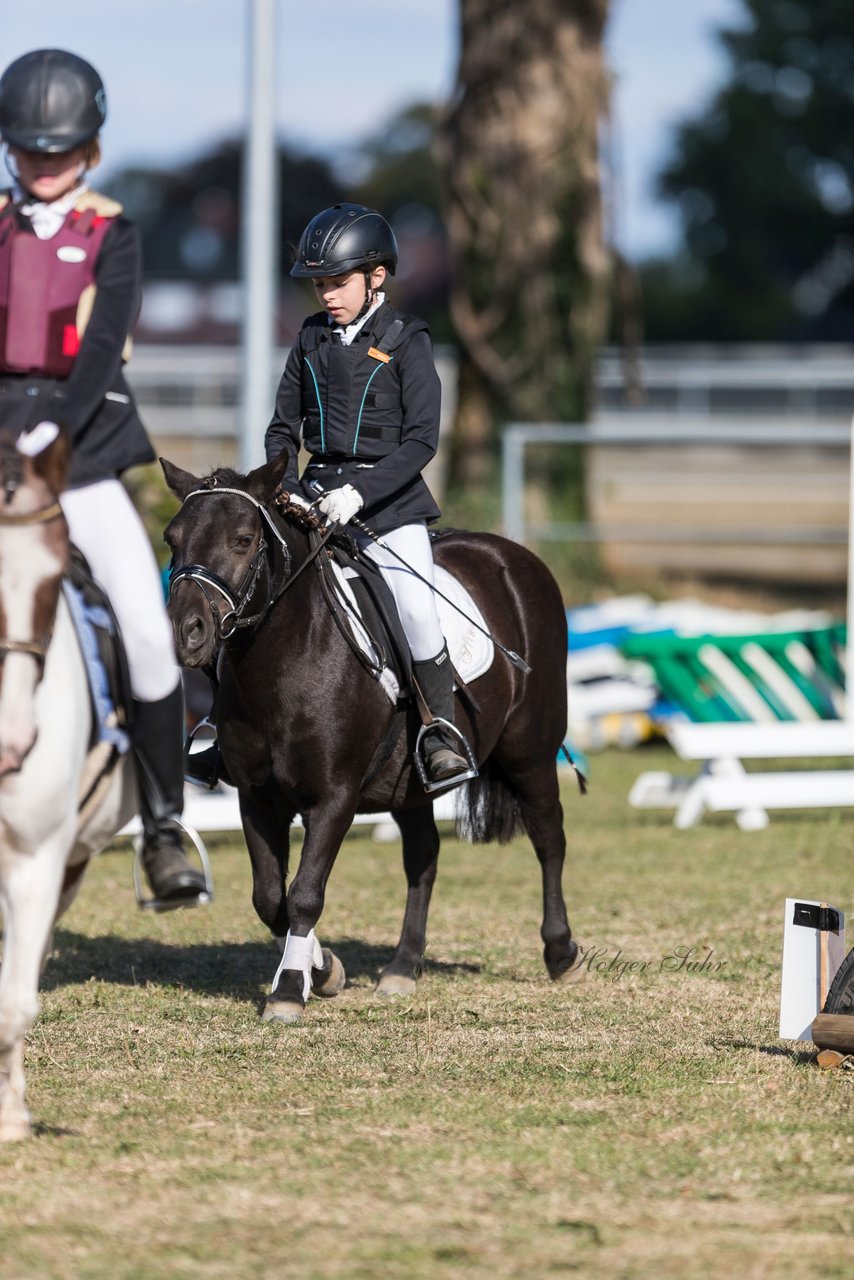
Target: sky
<point>176,73</point>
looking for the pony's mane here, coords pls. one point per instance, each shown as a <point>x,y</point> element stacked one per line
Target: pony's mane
<point>296,512</point>
<point>224,476</point>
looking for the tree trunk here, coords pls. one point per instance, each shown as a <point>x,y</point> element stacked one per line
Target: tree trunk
<point>519,154</point>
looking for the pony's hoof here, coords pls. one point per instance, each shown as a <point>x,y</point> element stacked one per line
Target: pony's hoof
<point>395,984</point>
<point>15,1129</point>
<point>331,978</point>
<point>287,1011</point>
<point>569,972</point>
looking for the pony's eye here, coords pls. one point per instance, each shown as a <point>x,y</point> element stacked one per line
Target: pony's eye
<point>243,541</point>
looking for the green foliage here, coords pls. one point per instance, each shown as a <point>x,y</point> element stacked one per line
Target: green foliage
<point>399,170</point>
<point>399,175</point>
<point>155,504</point>
<point>764,180</point>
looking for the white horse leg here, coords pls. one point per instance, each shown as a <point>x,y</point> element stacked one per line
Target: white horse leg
<point>29,894</point>
<point>15,1121</point>
<point>72,880</point>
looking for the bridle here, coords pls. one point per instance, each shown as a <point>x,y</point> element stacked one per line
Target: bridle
<point>238,598</point>
<point>10,520</point>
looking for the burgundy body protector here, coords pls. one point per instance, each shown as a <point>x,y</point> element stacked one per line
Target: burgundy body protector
<point>40,286</point>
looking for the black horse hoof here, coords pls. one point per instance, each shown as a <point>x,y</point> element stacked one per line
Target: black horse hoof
<point>289,1012</point>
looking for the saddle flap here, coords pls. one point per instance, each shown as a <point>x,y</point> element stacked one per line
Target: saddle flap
<point>103,653</point>
<point>376,628</point>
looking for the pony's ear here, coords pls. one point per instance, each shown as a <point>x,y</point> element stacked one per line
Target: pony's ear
<point>263,481</point>
<point>47,446</point>
<point>180,482</point>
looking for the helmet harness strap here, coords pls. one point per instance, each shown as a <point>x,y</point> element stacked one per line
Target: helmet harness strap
<point>370,293</point>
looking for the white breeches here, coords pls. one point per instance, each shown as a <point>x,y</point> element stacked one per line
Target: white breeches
<point>416,603</point>
<point>104,524</point>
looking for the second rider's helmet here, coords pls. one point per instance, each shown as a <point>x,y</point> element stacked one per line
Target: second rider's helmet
<point>51,101</point>
<point>345,238</point>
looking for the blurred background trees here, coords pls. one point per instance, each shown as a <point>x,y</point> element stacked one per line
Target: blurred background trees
<point>495,197</point>
<point>496,202</point>
<point>523,212</point>
<point>764,181</point>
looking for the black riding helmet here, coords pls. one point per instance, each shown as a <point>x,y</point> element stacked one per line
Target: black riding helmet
<point>51,101</point>
<point>345,238</point>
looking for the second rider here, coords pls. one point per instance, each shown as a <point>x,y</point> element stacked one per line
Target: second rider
<point>360,390</point>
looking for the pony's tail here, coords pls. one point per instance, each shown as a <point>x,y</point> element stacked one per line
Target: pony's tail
<point>488,809</point>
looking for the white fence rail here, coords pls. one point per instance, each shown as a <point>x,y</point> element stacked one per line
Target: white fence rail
<point>668,435</point>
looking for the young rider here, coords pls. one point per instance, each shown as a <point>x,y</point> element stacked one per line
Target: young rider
<point>69,295</point>
<point>360,390</point>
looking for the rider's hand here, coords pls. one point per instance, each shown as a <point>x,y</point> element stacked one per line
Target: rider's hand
<point>340,505</point>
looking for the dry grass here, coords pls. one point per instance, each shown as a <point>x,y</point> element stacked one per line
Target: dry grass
<point>496,1125</point>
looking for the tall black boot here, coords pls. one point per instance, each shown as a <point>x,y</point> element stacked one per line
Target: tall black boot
<point>159,756</point>
<point>443,759</point>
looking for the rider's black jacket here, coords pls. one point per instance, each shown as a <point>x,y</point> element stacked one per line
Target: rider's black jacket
<point>368,414</point>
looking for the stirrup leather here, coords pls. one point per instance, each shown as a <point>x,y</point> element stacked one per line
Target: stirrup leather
<point>158,904</point>
<point>418,756</point>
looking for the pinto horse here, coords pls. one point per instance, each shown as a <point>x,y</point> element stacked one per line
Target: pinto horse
<point>60,800</point>
<point>305,729</point>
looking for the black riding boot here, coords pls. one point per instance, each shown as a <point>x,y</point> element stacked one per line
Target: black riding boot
<point>435,679</point>
<point>159,756</point>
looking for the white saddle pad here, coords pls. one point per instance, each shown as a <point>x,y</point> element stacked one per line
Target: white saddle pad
<point>471,651</point>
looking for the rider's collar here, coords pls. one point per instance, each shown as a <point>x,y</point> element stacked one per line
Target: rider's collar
<point>347,333</point>
<point>46,217</point>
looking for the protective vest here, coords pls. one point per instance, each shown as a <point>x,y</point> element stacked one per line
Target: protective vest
<point>47,287</point>
<point>351,396</point>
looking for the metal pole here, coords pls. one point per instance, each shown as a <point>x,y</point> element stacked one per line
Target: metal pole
<point>849,617</point>
<point>259,220</point>
<point>513,485</point>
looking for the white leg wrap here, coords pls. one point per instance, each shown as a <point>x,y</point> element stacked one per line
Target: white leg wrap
<point>301,954</point>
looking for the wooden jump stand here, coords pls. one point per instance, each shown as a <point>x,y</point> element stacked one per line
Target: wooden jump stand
<point>832,1033</point>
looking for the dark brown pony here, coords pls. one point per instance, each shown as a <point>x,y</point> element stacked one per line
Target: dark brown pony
<point>305,729</point>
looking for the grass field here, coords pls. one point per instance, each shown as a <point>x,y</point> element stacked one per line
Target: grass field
<point>645,1123</point>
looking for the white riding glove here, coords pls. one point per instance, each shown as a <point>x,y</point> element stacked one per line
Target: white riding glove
<point>340,505</point>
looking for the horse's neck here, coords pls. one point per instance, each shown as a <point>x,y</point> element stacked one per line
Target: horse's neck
<point>294,636</point>
<point>57,707</point>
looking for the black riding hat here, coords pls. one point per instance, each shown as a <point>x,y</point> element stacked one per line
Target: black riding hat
<point>51,101</point>
<point>342,239</point>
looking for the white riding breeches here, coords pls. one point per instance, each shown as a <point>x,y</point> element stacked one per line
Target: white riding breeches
<point>416,602</point>
<point>104,524</point>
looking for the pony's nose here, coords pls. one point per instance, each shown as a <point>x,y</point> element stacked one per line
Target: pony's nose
<point>192,640</point>
<point>191,633</point>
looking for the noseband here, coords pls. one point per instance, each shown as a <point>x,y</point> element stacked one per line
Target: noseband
<point>9,520</point>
